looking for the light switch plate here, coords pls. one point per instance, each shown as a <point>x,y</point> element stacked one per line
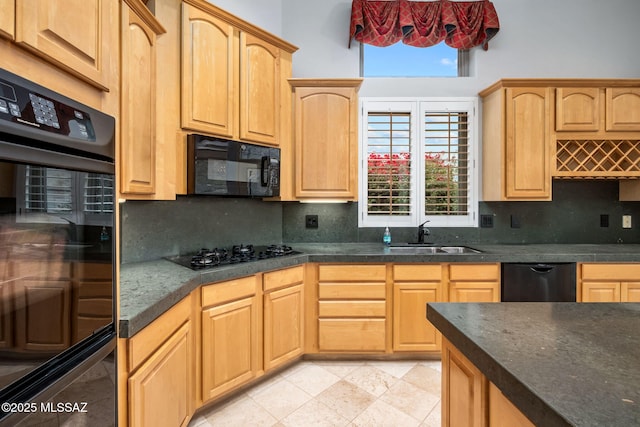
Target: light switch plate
<point>626,221</point>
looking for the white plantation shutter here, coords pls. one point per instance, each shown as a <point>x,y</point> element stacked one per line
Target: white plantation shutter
<point>446,149</point>
<point>418,162</point>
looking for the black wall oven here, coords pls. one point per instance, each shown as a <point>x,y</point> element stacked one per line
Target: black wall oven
<point>57,310</point>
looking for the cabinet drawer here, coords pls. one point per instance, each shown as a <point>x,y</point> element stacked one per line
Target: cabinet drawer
<point>610,272</point>
<point>417,273</point>
<point>281,278</point>
<point>218,293</point>
<point>351,273</point>
<point>145,342</point>
<point>352,309</point>
<point>351,334</point>
<point>474,272</point>
<point>351,290</point>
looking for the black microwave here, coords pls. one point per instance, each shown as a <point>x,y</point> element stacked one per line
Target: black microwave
<point>223,167</point>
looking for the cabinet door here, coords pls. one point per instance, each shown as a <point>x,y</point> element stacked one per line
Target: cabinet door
<point>209,73</point>
<point>138,123</point>
<point>623,109</point>
<point>411,329</point>
<point>577,109</point>
<point>527,158</point>
<point>229,342</point>
<point>464,390</point>
<point>326,149</point>
<point>160,390</point>
<point>7,19</point>
<point>630,292</point>
<point>73,34</point>
<point>43,315</point>
<point>259,90</point>
<point>502,413</point>
<point>283,325</point>
<point>601,292</point>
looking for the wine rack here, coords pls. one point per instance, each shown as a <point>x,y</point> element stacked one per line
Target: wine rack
<point>598,159</point>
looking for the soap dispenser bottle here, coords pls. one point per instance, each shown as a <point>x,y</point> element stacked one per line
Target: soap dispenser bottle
<point>386,237</point>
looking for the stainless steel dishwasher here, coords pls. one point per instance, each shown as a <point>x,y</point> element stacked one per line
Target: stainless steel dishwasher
<point>541,282</point>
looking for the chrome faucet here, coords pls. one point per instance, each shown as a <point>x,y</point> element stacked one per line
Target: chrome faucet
<point>422,232</point>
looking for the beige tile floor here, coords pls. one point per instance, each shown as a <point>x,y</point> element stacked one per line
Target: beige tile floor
<point>337,393</point>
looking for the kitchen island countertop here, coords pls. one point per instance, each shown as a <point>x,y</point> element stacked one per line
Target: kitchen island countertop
<point>560,364</point>
<point>148,289</point>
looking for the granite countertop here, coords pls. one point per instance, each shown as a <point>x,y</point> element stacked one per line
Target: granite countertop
<point>148,289</point>
<point>561,364</point>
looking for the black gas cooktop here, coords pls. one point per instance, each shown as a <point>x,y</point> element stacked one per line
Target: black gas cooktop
<point>210,258</point>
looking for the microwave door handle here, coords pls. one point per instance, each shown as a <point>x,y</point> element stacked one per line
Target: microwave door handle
<point>264,170</point>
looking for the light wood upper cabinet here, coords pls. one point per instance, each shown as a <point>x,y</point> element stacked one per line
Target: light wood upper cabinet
<point>623,109</point>
<point>138,102</point>
<point>232,74</point>
<point>326,138</point>
<point>577,109</point>
<point>73,34</point>
<point>8,19</point>
<point>209,73</point>
<point>516,144</point>
<point>259,90</point>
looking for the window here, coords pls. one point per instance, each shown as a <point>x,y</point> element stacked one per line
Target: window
<point>401,60</point>
<point>418,162</point>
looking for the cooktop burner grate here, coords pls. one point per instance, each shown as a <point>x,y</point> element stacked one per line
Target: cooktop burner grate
<point>209,258</point>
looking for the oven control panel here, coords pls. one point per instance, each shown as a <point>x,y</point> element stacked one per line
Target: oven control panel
<point>28,107</point>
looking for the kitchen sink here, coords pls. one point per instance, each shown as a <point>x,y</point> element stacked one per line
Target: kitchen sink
<point>426,248</point>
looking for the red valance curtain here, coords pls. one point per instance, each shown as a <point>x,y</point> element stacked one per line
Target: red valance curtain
<point>461,24</point>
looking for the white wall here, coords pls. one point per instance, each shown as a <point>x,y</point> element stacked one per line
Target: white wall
<point>266,14</point>
<point>537,38</point>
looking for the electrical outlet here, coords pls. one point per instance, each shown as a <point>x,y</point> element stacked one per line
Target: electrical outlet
<point>604,220</point>
<point>515,222</point>
<point>626,221</point>
<point>486,221</point>
<point>311,221</point>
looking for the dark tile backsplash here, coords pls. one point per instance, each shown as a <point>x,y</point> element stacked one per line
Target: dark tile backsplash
<point>154,229</point>
<point>572,217</point>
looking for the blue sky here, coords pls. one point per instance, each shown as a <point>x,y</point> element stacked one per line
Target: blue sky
<point>400,60</point>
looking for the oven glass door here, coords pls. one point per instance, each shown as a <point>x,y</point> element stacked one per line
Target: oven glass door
<point>56,262</point>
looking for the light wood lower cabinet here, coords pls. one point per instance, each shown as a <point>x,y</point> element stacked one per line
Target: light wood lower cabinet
<point>474,282</point>
<point>413,287</point>
<point>352,308</point>
<point>160,361</point>
<point>469,399</point>
<point>464,390</point>
<point>231,353</point>
<point>283,316</point>
<point>600,282</point>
